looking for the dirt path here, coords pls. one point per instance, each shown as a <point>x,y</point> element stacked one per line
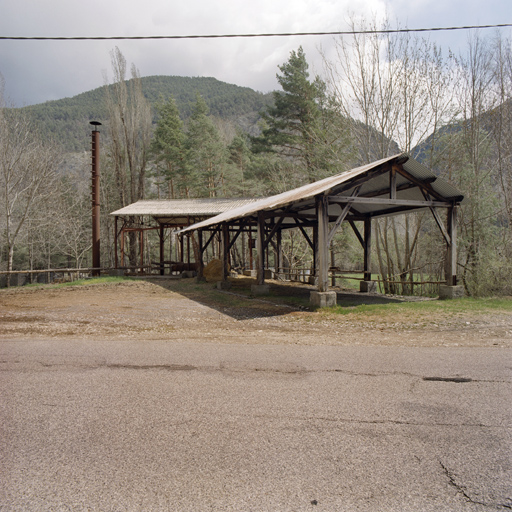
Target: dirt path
<point>145,310</point>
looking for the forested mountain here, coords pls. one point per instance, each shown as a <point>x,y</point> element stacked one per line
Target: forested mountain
<point>67,120</point>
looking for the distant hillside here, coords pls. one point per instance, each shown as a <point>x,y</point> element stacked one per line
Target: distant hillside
<point>67,120</point>
<point>437,143</point>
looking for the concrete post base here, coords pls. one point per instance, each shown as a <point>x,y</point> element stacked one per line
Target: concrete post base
<point>323,299</point>
<point>451,292</point>
<point>250,273</point>
<point>260,289</point>
<point>367,286</point>
<point>223,285</point>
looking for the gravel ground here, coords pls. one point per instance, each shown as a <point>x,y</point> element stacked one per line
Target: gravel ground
<point>168,310</point>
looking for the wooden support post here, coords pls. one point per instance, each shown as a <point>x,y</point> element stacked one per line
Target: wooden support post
<point>225,251</point>
<point>367,264</point>
<point>260,261</point>
<point>162,255</point>
<point>392,183</point>
<point>122,247</point>
<point>451,266</point>
<point>200,263</point>
<point>141,247</point>
<point>115,243</point>
<point>279,253</point>
<point>323,247</point>
<point>315,249</point>
<point>251,258</point>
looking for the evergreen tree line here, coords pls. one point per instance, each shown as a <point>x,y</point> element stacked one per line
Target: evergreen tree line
<point>379,95</point>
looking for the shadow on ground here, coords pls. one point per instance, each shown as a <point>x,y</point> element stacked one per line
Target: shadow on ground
<point>283,298</point>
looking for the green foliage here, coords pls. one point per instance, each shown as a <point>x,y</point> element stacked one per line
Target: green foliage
<point>302,124</point>
<point>168,148</point>
<point>67,120</point>
<point>206,153</point>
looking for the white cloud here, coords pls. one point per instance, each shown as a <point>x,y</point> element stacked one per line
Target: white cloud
<point>38,71</point>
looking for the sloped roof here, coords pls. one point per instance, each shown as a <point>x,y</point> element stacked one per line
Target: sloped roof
<point>371,177</point>
<point>182,207</point>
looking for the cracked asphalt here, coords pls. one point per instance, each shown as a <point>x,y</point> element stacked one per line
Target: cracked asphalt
<point>160,425</point>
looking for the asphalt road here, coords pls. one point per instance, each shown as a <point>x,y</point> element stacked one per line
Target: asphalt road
<point>179,426</point>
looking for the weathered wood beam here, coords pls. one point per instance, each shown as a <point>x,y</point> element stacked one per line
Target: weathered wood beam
<point>356,231</point>
<point>451,271</point>
<point>420,183</point>
<point>323,245</point>
<point>260,261</point>
<point>412,203</point>
<point>274,229</point>
<point>367,246</point>
<point>200,263</point>
<point>341,217</point>
<point>303,231</point>
<point>392,182</point>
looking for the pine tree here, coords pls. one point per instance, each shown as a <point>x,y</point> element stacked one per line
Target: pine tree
<point>206,153</point>
<point>301,125</point>
<point>168,148</point>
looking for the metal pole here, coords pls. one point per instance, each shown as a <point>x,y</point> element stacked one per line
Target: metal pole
<point>96,199</point>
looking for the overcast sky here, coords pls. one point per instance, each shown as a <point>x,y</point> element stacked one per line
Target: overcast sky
<point>38,71</point>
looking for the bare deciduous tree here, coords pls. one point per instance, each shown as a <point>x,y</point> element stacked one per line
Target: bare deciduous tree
<point>129,132</point>
<point>27,172</point>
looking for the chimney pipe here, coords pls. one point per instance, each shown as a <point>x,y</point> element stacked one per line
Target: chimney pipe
<point>95,198</point>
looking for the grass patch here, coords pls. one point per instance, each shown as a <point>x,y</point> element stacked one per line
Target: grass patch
<point>79,282</point>
<point>465,306</point>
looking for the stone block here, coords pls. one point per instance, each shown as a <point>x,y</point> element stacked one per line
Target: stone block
<point>269,274</point>
<point>367,286</point>
<point>116,272</point>
<point>260,289</point>
<point>450,292</point>
<point>323,299</point>
<point>223,285</point>
<point>250,273</point>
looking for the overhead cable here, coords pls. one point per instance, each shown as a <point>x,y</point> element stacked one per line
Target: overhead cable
<point>226,36</point>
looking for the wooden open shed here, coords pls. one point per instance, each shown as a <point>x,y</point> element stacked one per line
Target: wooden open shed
<point>393,185</point>
<point>162,215</point>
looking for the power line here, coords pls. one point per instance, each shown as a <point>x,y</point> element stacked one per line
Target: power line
<point>226,36</point>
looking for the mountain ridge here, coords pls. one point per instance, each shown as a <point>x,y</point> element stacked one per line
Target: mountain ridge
<point>67,119</point>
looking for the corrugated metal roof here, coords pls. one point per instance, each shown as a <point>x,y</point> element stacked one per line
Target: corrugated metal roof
<point>304,195</point>
<point>169,208</point>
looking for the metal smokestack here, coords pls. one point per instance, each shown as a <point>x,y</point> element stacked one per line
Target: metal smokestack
<point>95,146</point>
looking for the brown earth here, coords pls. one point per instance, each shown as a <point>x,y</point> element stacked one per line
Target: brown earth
<point>176,310</point>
